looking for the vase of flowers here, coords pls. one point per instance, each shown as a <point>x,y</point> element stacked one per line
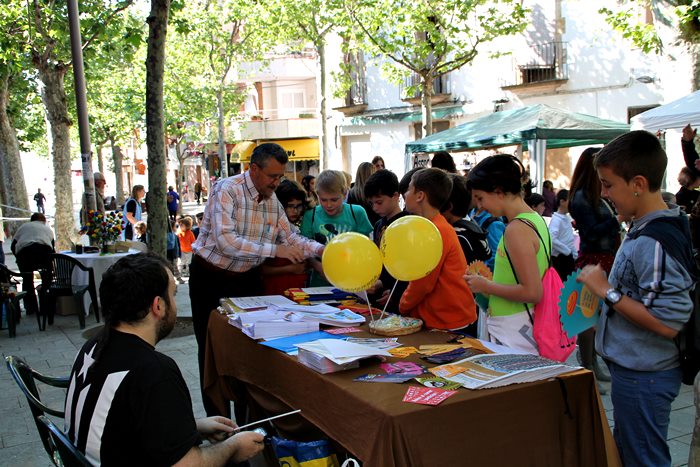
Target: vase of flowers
<point>103,228</point>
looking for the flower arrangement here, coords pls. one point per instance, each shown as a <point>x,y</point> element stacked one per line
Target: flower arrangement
<point>103,227</point>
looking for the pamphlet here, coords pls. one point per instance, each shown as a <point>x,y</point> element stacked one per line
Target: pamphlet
<point>426,396</point>
<point>260,302</point>
<point>495,370</point>
<point>395,378</point>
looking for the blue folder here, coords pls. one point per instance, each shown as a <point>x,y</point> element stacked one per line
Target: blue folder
<point>286,344</point>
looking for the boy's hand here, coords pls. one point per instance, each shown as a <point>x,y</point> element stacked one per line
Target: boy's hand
<point>595,279</point>
<point>384,298</point>
<point>689,133</point>
<point>477,284</point>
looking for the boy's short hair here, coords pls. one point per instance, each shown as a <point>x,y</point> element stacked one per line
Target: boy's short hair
<point>289,190</point>
<point>382,182</point>
<point>562,195</point>
<point>140,226</point>
<point>199,216</point>
<point>187,222</point>
<point>460,197</point>
<point>406,179</point>
<point>534,199</point>
<point>635,153</point>
<point>331,181</point>
<point>436,185</point>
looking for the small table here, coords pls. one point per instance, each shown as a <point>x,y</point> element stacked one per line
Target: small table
<point>99,264</point>
<point>555,422</point>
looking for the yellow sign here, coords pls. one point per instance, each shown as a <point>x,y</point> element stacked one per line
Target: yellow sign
<point>305,149</point>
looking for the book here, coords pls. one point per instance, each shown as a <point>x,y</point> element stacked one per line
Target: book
<point>260,302</point>
<point>335,355</point>
<point>495,370</point>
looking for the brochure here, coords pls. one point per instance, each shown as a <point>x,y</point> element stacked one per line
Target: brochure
<point>495,370</point>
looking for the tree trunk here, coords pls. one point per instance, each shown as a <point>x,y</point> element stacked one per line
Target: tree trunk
<point>325,150</point>
<point>117,157</point>
<point>427,105</point>
<point>13,191</point>
<point>155,136</point>
<point>222,136</point>
<point>694,52</point>
<point>179,186</point>
<point>100,160</point>
<point>53,96</point>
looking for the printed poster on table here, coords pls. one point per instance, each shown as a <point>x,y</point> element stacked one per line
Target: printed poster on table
<point>578,306</point>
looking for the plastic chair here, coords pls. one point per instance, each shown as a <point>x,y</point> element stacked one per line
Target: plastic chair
<point>58,282</point>
<point>64,454</point>
<point>13,310</point>
<point>26,377</point>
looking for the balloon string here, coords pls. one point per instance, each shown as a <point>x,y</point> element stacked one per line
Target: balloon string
<point>388,300</point>
<point>369,307</point>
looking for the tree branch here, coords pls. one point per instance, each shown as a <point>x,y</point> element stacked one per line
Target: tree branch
<point>109,18</point>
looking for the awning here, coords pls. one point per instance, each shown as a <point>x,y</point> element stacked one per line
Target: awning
<point>302,149</point>
<point>407,114</point>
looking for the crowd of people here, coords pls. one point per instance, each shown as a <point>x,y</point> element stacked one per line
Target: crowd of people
<point>263,234</point>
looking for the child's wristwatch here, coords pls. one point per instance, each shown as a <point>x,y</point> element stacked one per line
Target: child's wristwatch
<point>613,297</point>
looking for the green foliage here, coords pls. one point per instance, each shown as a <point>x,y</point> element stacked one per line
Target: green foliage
<point>430,37</point>
<point>641,35</point>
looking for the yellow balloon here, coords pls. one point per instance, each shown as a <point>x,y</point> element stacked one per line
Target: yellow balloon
<point>352,262</point>
<point>411,248</point>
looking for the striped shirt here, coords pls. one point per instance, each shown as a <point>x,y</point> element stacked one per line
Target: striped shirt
<point>239,231</point>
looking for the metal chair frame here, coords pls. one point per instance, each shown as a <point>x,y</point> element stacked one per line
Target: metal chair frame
<point>64,453</point>
<point>13,309</point>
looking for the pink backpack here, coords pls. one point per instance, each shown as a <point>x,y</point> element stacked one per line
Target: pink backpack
<point>552,341</point>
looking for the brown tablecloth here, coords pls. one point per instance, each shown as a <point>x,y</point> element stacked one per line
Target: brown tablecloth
<point>559,422</point>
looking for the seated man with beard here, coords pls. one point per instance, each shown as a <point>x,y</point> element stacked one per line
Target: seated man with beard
<point>128,404</point>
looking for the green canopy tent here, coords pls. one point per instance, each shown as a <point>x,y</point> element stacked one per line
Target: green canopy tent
<point>536,128</point>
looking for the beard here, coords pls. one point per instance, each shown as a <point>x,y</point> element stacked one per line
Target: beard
<point>167,324</point>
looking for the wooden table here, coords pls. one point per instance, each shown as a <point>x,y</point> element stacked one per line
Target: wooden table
<point>559,422</point>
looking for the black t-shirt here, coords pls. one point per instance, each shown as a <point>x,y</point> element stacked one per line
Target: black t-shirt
<point>129,229</point>
<point>134,405</point>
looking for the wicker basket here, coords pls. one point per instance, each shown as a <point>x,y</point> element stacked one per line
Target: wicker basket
<point>396,330</point>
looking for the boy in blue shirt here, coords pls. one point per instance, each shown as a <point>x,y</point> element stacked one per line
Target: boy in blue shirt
<point>647,298</point>
<point>333,217</point>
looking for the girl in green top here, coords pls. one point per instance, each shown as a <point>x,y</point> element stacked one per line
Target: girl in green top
<point>496,184</point>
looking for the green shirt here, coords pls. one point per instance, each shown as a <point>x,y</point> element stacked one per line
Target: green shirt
<point>321,227</point>
<point>503,272</point>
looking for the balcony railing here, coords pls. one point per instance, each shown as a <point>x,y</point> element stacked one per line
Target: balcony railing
<point>546,62</point>
<point>441,86</point>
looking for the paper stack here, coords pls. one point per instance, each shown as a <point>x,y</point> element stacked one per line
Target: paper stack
<point>324,314</point>
<point>270,323</point>
<point>331,355</point>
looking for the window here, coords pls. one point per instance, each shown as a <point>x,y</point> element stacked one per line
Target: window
<point>293,99</point>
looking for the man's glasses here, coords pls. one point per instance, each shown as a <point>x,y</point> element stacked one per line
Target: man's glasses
<point>275,177</point>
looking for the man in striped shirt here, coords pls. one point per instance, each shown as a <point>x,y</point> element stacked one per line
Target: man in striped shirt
<point>128,404</point>
<point>243,225</point>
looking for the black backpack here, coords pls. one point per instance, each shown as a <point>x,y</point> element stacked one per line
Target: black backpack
<point>674,236</point>
<point>472,239</point>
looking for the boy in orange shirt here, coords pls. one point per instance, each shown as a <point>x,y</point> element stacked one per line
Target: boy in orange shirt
<point>441,299</point>
<point>186,238</point>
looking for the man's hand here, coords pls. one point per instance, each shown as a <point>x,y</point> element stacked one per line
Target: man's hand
<point>376,287</point>
<point>215,429</point>
<point>248,444</point>
<point>292,253</point>
<point>689,133</point>
<point>384,298</point>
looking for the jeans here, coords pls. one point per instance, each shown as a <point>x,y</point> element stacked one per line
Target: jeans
<point>642,409</point>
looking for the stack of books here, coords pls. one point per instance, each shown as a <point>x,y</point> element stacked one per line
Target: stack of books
<point>313,295</point>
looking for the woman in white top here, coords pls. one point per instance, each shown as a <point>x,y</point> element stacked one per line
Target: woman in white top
<point>562,232</point>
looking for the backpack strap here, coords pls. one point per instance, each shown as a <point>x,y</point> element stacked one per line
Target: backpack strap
<point>352,211</point>
<point>512,268</point>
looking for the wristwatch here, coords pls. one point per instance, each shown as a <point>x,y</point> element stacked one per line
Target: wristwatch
<point>613,297</point>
